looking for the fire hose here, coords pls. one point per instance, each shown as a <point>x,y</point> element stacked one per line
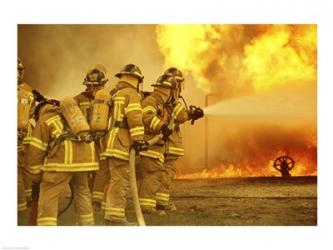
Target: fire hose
<point>133,183</point>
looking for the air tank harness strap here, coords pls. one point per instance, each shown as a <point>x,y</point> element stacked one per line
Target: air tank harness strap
<point>54,144</point>
<point>121,124</point>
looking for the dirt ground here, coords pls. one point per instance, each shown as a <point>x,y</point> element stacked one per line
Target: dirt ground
<point>233,202</point>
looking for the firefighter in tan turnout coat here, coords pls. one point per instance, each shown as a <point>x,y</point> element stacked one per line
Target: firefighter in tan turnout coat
<point>26,104</point>
<point>126,130</point>
<point>61,149</point>
<point>95,81</point>
<point>156,115</point>
<point>174,146</point>
<point>158,163</point>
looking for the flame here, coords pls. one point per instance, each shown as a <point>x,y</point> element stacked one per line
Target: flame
<point>280,57</point>
<point>231,59</point>
<point>181,45</point>
<point>232,171</point>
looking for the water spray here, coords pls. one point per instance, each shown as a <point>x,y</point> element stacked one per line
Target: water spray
<point>273,104</point>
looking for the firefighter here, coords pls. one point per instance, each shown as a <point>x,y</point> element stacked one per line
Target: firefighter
<point>174,147</point>
<point>26,104</point>
<point>57,156</point>
<point>159,162</point>
<point>95,80</point>
<point>126,130</point>
<point>156,115</point>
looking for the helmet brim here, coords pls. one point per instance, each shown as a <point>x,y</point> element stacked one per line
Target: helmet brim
<point>130,73</point>
<point>179,78</point>
<point>160,85</point>
<point>87,83</point>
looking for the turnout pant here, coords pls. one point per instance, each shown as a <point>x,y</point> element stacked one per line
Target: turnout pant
<point>21,198</point>
<point>152,173</point>
<point>55,183</point>
<point>23,184</point>
<point>117,190</point>
<point>101,179</point>
<point>163,194</point>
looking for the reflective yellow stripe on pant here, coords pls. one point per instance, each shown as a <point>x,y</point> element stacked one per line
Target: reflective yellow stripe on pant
<point>162,198</point>
<point>47,221</point>
<point>146,202</point>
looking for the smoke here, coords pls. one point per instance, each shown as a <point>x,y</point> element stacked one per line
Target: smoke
<point>57,57</point>
<point>283,104</point>
<point>255,148</point>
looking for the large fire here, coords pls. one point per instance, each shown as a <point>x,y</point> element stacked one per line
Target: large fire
<point>232,61</point>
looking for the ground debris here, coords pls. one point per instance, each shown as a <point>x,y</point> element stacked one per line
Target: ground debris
<point>307,205</point>
<point>162,213</point>
<point>235,215</point>
<point>196,208</point>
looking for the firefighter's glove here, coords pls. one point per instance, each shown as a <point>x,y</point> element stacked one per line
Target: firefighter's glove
<point>140,145</point>
<point>166,131</point>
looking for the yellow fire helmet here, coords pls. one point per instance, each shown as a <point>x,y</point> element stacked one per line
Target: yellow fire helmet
<point>178,75</point>
<point>96,75</point>
<point>133,70</point>
<point>166,82</point>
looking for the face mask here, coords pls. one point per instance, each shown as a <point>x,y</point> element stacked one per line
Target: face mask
<point>91,90</point>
